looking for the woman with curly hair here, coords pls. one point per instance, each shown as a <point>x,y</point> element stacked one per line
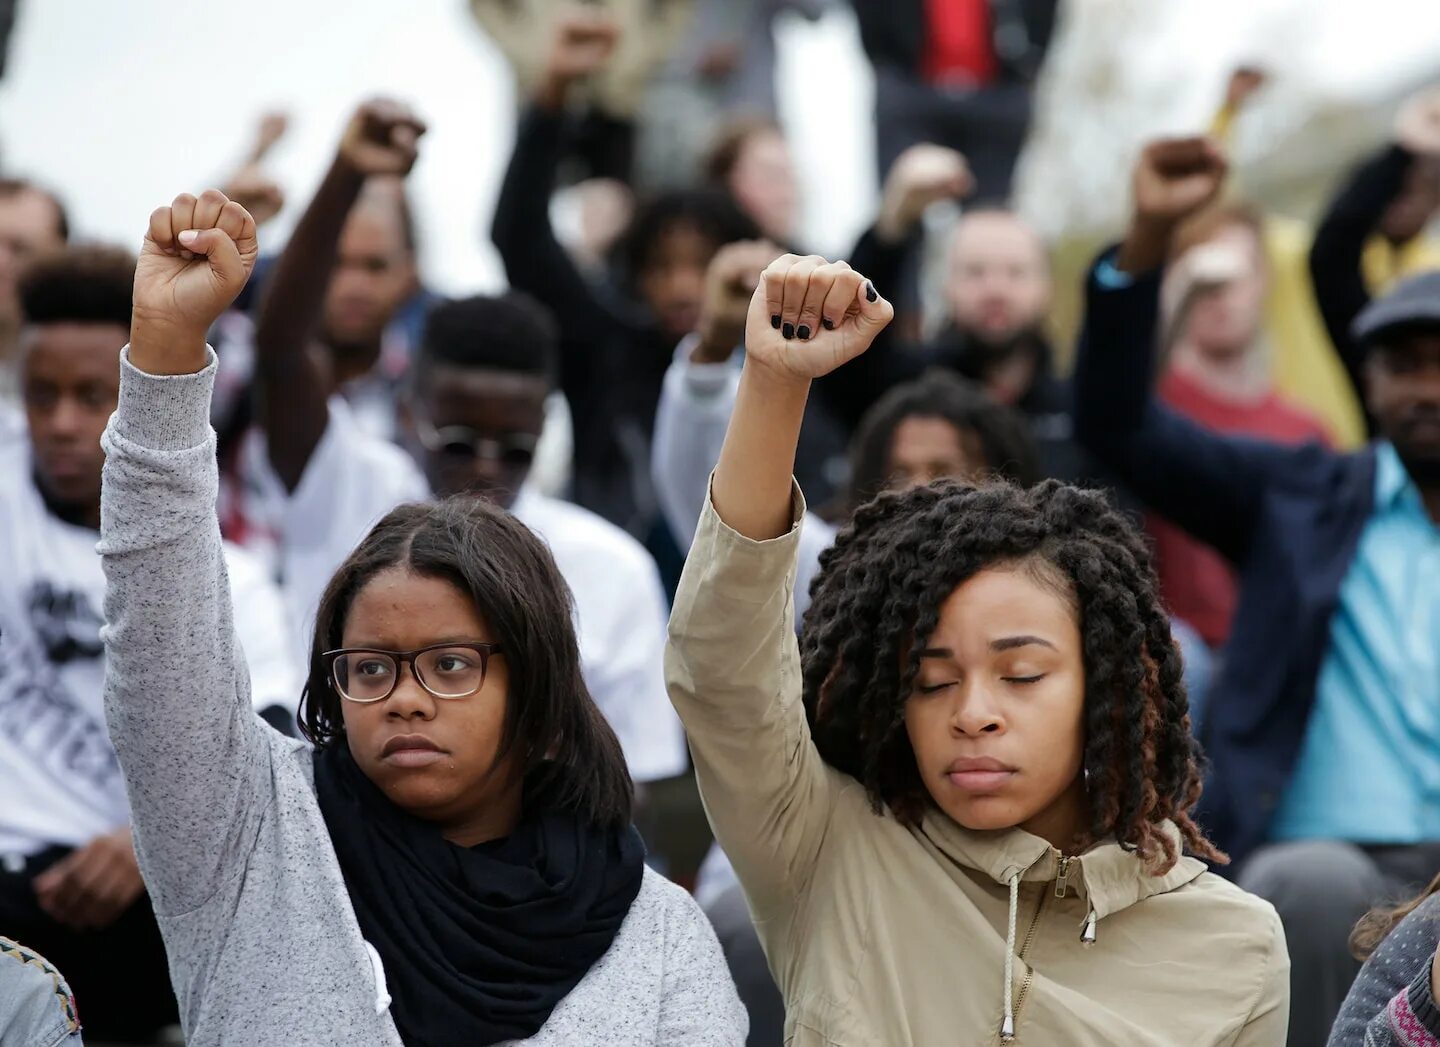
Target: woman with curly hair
<point>977,760</point>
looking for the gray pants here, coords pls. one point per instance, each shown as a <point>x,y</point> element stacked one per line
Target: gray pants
<point>1321,888</point>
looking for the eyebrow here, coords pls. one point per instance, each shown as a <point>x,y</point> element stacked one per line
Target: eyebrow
<point>1004,643</point>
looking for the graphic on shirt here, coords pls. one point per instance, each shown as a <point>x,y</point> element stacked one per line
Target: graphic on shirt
<point>38,713</point>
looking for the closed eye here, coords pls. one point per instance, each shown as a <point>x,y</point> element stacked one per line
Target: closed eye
<point>932,688</point>
<point>1024,679</point>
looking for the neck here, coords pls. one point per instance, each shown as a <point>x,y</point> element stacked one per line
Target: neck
<point>1065,821</point>
<point>354,361</point>
<point>496,820</point>
<point>1236,377</point>
<point>77,514</point>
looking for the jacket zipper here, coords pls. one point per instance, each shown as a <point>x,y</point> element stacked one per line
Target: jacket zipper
<point>1062,885</point>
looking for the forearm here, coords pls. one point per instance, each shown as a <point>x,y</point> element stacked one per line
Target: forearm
<point>752,486</point>
<point>292,392</point>
<point>696,402</point>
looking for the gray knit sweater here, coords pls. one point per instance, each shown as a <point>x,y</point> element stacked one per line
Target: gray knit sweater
<point>1391,1003</point>
<point>263,943</point>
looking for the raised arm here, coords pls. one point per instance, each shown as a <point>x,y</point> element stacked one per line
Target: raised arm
<point>1209,484</point>
<point>1358,212</point>
<point>922,175</point>
<point>534,260</point>
<point>733,661</point>
<point>292,383</point>
<point>177,702</point>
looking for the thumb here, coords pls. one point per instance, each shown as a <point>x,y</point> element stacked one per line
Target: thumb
<point>873,312</point>
<point>218,249</point>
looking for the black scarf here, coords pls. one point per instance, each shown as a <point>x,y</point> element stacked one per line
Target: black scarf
<point>479,943</point>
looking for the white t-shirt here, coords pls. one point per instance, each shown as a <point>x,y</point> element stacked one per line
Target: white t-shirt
<point>354,479</point>
<point>59,779</point>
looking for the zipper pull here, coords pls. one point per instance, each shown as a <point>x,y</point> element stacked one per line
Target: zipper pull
<point>1087,936</point>
<point>1062,878</point>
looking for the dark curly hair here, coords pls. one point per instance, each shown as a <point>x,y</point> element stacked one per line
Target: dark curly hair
<point>878,595</point>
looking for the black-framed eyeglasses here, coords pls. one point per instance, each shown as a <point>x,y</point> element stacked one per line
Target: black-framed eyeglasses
<point>460,441</point>
<point>446,670</point>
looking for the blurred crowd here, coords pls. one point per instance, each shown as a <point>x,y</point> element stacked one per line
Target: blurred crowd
<point>1299,565</point>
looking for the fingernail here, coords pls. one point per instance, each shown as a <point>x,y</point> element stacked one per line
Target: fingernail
<point>788,332</point>
<point>188,237</point>
<point>775,321</point>
<point>870,293</point>
<point>827,323</point>
<point>803,332</point>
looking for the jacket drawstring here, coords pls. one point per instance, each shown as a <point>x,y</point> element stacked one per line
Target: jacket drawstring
<point>1087,936</point>
<point>1007,1021</point>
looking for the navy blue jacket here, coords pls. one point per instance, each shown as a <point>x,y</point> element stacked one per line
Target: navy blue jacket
<point>1289,518</point>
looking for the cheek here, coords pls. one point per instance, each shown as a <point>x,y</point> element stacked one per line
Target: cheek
<point>927,725</point>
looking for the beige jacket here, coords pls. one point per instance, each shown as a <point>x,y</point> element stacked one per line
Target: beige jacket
<point>649,30</point>
<point>882,936</point>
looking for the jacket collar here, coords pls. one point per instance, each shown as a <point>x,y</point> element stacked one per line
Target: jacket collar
<point>1109,877</point>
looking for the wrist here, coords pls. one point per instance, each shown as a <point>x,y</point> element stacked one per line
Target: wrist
<point>773,386</point>
<point>891,226</point>
<point>1146,245</point>
<point>712,346</point>
<point>163,347</point>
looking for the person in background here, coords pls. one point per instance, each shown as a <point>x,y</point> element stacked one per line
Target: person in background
<point>1216,371</point>
<point>935,767</point>
<point>70,886</point>
<point>750,159</point>
<point>606,97</point>
<point>37,1008</point>
<point>454,861</point>
<point>1374,231</point>
<point>723,67</point>
<point>473,412</point>
<point>33,222</point>
<point>957,73</point>
<point>616,338</point>
<point>1395,1000</point>
<point>1319,728</point>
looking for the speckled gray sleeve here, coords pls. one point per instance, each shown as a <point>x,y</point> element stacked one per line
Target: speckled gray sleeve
<point>699,1004</point>
<point>1391,1004</point>
<point>176,688</point>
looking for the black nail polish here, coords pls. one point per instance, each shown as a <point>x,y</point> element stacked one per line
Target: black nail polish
<point>827,323</point>
<point>787,332</point>
<point>775,321</point>
<point>803,332</point>
<point>870,292</point>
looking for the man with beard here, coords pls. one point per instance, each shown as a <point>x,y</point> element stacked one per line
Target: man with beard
<point>1323,727</point>
<point>998,293</point>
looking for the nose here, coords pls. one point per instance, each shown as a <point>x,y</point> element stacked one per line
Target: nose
<point>66,418</point>
<point>975,711</point>
<point>410,701</point>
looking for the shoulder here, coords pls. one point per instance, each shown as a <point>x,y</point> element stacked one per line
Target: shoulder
<point>672,912</point>
<point>1226,907</point>
<point>573,531</point>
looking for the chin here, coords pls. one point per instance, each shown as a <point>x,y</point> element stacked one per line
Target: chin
<point>984,813</point>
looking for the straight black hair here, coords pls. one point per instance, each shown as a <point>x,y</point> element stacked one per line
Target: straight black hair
<point>566,752</point>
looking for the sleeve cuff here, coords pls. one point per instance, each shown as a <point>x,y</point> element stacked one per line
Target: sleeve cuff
<point>1108,277</point>
<point>1422,1001</point>
<point>744,568</point>
<point>702,381</point>
<point>164,412</point>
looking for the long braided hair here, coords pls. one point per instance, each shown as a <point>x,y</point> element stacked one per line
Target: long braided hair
<point>877,598</point>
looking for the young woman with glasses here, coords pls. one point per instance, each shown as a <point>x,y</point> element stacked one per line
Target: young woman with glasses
<point>454,863</point>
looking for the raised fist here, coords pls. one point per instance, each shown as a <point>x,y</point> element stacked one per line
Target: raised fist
<point>582,44</point>
<point>1244,81</point>
<point>808,316</point>
<point>920,176</point>
<point>1175,177</point>
<point>730,282</point>
<point>1417,124</point>
<point>197,255</point>
<point>381,139</point>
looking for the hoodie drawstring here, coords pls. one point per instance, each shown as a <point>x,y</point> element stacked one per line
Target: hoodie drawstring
<point>1087,936</point>
<point>1007,1022</point>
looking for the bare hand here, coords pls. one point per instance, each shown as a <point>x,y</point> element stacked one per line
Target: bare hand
<point>583,42</point>
<point>1417,124</point>
<point>1243,83</point>
<point>257,192</point>
<point>197,255</point>
<point>271,129</point>
<point>833,312</point>
<point>730,282</point>
<point>91,887</point>
<point>1174,178</point>
<point>381,139</point>
<point>922,175</point>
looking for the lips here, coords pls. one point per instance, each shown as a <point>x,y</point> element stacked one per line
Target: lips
<point>979,774</point>
<point>411,750</point>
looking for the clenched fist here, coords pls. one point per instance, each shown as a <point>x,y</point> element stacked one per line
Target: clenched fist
<point>582,45</point>
<point>1174,178</point>
<point>381,138</point>
<point>808,316</point>
<point>920,176</point>
<point>730,281</point>
<point>197,255</point>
